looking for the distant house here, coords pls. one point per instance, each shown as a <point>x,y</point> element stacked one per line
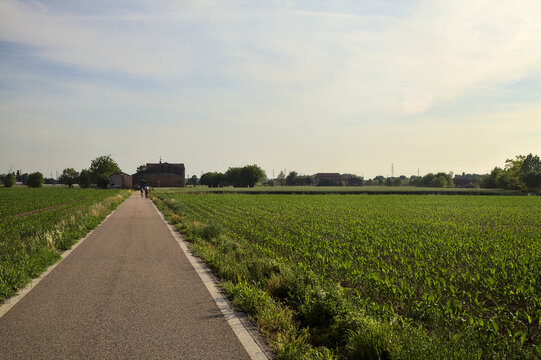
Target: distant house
<point>327,179</point>
<point>161,175</point>
<point>354,181</point>
<point>120,181</point>
<point>466,180</point>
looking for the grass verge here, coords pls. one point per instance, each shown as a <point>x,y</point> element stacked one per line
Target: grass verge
<point>27,253</point>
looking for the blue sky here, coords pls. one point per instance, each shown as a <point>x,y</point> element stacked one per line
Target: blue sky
<point>310,86</point>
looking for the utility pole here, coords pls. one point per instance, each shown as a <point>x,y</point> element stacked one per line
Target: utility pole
<point>392,170</point>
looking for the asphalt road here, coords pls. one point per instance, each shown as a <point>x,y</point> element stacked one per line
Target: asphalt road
<point>127,292</point>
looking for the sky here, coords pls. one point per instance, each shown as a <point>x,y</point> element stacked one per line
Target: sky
<point>308,86</point>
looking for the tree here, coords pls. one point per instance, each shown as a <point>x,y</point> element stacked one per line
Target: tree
<point>69,177</point>
<point>439,180</point>
<point>281,179</point>
<point>253,174</point>
<point>101,169</point>
<point>246,176</point>
<point>393,181</point>
<point>531,173</point>
<point>233,177</point>
<point>532,181</point>
<point>379,180</point>
<point>35,179</point>
<point>213,179</point>
<point>493,179</point>
<point>511,176</point>
<point>521,173</point>
<point>85,178</point>
<point>414,180</point>
<point>9,180</point>
<point>291,178</point>
<point>192,180</point>
<point>141,168</point>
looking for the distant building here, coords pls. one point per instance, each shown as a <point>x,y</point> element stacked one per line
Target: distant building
<point>354,181</point>
<point>161,175</point>
<point>327,179</point>
<point>466,180</point>
<point>120,181</point>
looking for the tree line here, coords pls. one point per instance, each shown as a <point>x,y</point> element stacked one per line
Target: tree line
<point>247,176</point>
<point>522,173</point>
<point>34,179</point>
<point>97,175</point>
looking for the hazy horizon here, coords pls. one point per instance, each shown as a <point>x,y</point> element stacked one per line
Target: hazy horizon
<point>306,86</point>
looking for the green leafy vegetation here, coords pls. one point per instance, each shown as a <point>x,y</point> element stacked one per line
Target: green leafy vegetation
<point>9,180</point>
<point>37,224</point>
<point>246,176</point>
<point>35,180</point>
<point>314,190</point>
<point>69,177</point>
<point>101,168</point>
<point>376,277</point>
<point>521,173</point>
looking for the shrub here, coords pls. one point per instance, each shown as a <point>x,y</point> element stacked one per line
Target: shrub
<point>369,341</point>
<point>211,231</point>
<point>35,179</point>
<point>9,180</point>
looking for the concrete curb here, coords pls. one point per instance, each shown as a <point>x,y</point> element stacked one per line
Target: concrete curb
<point>241,326</point>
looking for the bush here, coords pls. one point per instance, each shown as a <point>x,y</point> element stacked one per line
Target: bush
<point>85,178</point>
<point>9,180</point>
<point>35,179</point>
<point>211,231</point>
<point>370,341</point>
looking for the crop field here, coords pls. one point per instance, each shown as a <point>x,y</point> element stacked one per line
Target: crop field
<point>344,190</point>
<point>36,224</point>
<point>462,273</point>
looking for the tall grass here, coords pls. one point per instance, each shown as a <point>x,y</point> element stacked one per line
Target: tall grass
<point>30,244</point>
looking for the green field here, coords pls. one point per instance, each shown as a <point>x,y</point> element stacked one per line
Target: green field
<point>429,276</point>
<point>344,190</point>
<point>36,224</point>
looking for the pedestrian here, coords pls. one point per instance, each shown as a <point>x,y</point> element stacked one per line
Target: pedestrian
<point>147,190</point>
<point>142,190</point>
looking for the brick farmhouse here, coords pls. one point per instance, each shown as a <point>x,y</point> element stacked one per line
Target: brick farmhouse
<point>161,175</point>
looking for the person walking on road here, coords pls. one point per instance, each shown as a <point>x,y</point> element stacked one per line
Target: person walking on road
<point>147,190</point>
<point>142,191</point>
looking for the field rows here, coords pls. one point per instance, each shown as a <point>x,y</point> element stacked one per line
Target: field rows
<point>453,264</point>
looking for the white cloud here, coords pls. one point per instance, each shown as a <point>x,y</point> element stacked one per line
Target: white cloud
<point>295,73</point>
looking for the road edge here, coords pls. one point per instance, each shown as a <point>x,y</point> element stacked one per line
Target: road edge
<point>241,326</point>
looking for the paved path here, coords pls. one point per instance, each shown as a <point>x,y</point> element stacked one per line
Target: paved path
<point>127,292</point>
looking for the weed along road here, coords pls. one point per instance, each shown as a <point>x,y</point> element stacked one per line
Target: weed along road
<point>127,292</point>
